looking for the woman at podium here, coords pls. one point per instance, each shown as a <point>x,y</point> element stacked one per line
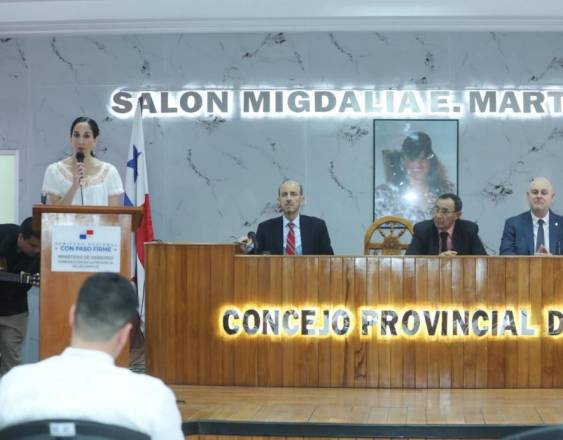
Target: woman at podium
<point>81,178</point>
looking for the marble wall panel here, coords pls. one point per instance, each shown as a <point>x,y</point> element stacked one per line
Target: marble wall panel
<point>213,178</point>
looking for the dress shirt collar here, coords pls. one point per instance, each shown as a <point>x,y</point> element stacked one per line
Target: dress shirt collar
<point>450,230</point>
<point>287,222</point>
<point>535,219</point>
<point>87,354</point>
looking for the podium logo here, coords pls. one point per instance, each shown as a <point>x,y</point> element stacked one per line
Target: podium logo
<point>86,234</point>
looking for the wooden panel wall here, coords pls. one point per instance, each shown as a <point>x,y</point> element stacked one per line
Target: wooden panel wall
<point>188,284</point>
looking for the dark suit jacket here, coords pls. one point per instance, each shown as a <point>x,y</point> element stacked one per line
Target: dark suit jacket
<point>518,235</point>
<point>314,236</point>
<point>465,240</point>
<point>13,296</point>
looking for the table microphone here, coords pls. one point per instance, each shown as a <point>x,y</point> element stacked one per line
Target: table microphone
<point>80,159</point>
<point>252,236</point>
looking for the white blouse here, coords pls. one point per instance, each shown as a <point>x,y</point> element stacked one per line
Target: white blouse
<point>96,189</point>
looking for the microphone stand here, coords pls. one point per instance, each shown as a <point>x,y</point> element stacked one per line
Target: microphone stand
<point>81,193</point>
<point>80,159</point>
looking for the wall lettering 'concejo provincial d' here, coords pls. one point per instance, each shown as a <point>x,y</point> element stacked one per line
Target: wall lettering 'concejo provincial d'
<point>446,321</point>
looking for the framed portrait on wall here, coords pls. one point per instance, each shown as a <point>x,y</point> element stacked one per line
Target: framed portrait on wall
<point>414,161</point>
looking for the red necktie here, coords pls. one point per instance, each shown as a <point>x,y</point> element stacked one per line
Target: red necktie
<point>290,244</point>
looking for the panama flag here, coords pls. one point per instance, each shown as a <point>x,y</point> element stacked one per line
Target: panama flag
<point>137,194</point>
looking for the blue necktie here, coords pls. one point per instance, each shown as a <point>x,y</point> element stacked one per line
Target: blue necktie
<point>540,241</point>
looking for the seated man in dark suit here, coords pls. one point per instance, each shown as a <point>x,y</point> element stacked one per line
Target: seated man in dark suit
<point>538,231</point>
<point>292,233</point>
<point>446,234</point>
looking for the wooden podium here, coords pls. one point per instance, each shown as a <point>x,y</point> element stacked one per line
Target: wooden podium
<point>59,289</point>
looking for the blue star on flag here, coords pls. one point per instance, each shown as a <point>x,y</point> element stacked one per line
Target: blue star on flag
<point>132,163</point>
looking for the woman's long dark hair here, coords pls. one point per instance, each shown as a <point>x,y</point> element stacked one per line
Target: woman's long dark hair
<point>93,126</point>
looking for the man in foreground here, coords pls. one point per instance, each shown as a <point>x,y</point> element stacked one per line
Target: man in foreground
<point>446,234</point>
<point>538,231</point>
<point>83,381</point>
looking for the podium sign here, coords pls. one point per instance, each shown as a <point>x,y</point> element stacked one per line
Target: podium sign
<point>86,248</point>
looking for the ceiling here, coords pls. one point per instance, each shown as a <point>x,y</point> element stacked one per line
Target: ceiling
<point>58,17</point>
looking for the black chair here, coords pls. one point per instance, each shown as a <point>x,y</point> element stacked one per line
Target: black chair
<point>66,429</point>
<point>546,433</point>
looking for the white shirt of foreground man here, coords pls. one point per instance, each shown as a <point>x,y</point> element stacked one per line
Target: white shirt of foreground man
<point>83,382</point>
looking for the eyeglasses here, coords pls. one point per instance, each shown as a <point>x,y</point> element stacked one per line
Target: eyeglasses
<point>443,211</point>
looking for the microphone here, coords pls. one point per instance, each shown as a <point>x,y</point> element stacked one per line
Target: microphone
<point>80,159</point>
<point>252,236</point>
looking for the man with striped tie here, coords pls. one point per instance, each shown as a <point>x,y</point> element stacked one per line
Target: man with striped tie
<point>292,233</point>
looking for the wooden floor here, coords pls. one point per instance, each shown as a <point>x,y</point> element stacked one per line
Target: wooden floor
<point>372,406</point>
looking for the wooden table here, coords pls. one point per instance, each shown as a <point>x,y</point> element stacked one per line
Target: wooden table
<point>189,287</point>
